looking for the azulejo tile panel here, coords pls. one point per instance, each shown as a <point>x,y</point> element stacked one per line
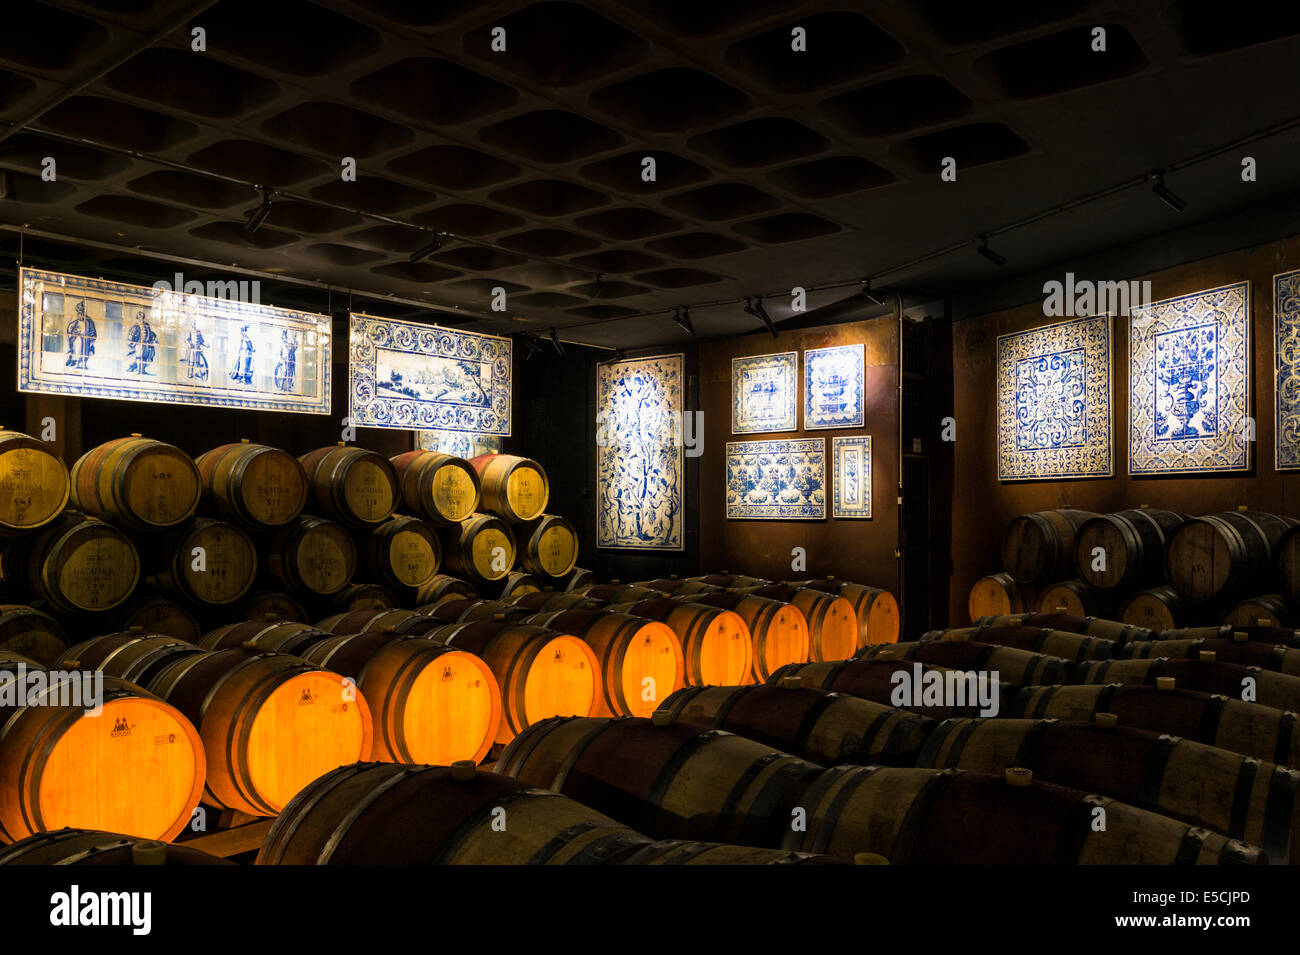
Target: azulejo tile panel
<point>1286,351</point>
<point>418,377</point>
<point>462,444</point>
<point>765,393</point>
<point>97,339</point>
<point>833,387</point>
<point>852,481</point>
<point>1054,401</point>
<point>776,480</point>
<point>639,453</point>
<point>1189,383</point>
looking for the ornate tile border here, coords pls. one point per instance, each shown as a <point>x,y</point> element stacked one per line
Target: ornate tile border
<point>852,485</point>
<point>776,480</point>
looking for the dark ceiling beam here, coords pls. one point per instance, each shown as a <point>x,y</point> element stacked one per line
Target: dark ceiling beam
<point>112,61</point>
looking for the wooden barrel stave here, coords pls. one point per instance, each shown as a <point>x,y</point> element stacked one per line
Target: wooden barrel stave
<point>354,486</point>
<point>1039,548</point>
<point>548,546</point>
<point>139,483</point>
<point>252,484</point>
<point>402,552</point>
<point>481,548</point>
<point>312,557</point>
<point>441,488</point>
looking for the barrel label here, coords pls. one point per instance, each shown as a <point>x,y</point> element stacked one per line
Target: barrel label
<point>164,740</point>
<point>120,728</point>
<point>306,699</point>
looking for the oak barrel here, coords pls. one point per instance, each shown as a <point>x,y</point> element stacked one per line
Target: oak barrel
<point>34,484</point>
<point>132,655</point>
<point>31,633</point>
<point>1287,563</point>
<point>429,703</point>
<point>480,548</point>
<point>876,608</point>
<point>441,488</point>
<point>1266,656</point>
<point>259,603</point>
<point>619,593</point>
<point>154,614</point>
<point>1056,643</point>
<point>515,489</point>
<point>252,484</point>
<point>362,621</point>
<point>685,852</point>
<point>541,673</point>
<point>817,725</point>
<point>138,483</point>
<point>1039,548</point>
<point>955,817</point>
<point>548,546</point>
<point>716,645</point>
<point>671,781</point>
<point>832,622</point>
<point>270,723</point>
<point>95,847</point>
<point>208,561</point>
<point>1076,598</point>
<point>883,682</point>
<point>1012,665</point>
<point>1000,594</point>
<point>778,630</point>
<point>1282,636</point>
<point>386,814</point>
<point>77,564</point>
<point>269,635</point>
<point>1224,555</point>
<point>1270,610</point>
<point>579,577</point>
<point>355,486</point>
<point>1132,548</point>
<point>439,586</point>
<point>1159,608</point>
<point>729,581</point>
<point>641,661</point>
<point>1211,676</point>
<point>312,557</point>
<point>540,601</point>
<point>1071,623</point>
<point>136,765</point>
<point>678,587</point>
<point>358,596</point>
<point>517,583</point>
<point>401,552</point>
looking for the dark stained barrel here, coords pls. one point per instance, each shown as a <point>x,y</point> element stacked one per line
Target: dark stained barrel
<point>96,847</point>
<point>206,561</point>
<point>1224,555</point>
<point>1126,550</point>
<point>1270,610</point>
<point>31,633</point>
<point>548,546</point>
<point>481,548</point>
<point>76,563</point>
<point>1071,623</point>
<point>1076,598</point>
<point>1266,656</point>
<point>354,486</point>
<point>1057,643</point>
<point>155,614</point>
<point>1287,563</point>
<point>312,557</point>
<point>133,655</point>
<point>252,484</point>
<point>1158,608</point>
<point>1000,594</point>
<point>1208,675</point>
<point>1012,665</point>
<point>1039,548</point>
<point>401,552</point>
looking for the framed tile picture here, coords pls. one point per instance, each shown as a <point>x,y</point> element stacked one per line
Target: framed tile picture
<point>1286,367</point>
<point>765,393</point>
<point>851,484</point>
<point>776,480</point>
<point>832,387</point>
<point>1189,383</point>
<point>1054,401</point>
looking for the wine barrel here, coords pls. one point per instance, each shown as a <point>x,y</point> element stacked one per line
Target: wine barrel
<point>208,561</point>
<point>684,852</point>
<point>77,564</point>
<point>261,603</point>
<point>429,703</point>
<point>1263,732</point>
<point>513,488</point>
<point>364,597</point>
<point>133,764</point>
<point>1055,643</point>
<point>1070,623</point>
<point>363,621</point>
<point>1281,636</point>
<point>156,615</point>
<point>268,635</point>
<point>541,673</point>
<point>1075,598</point>
<point>716,645</point>
<point>1287,563</point>
<point>876,609</point>
<point>132,655</point>
<point>312,557</point>
<point>1012,665</point>
<point>442,585</point>
<point>401,552</point>
<point>548,546</point>
<point>515,584</point>
<point>1160,608</point>
<point>464,609</point>
<point>1270,610</point>
<point>1224,555</point>
<point>34,484</point>
<point>270,723</point>
<point>955,817</point>
<point>817,725</point>
<point>385,814</point>
<point>141,484</point>
<point>641,660</point>
<point>1210,676</point>
<point>579,577</point>
<point>1266,656</point>
<point>356,487</point>
<point>1233,795</point>
<point>882,681</point>
<point>832,622</point>
<point>441,488</point>
<point>1039,548</point>
<point>665,778</point>
<point>619,593</point>
<point>730,581</point>
<point>94,847</point>
<point>1000,594</point>
<point>481,548</point>
<point>676,586</point>
<point>252,484</point>
<point>540,601</point>
<point>1132,548</point>
<point>778,630</point>
<point>31,633</point>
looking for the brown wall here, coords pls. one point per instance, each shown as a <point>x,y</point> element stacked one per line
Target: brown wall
<point>861,550</point>
<point>982,505</point>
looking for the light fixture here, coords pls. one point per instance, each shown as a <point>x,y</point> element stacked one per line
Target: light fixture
<point>531,347</point>
<point>755,307</point>
<point>682,316</point>
<point>875,298</point>
<point>555,340</point>
<point>260,213</point>
<point>989,254</point>
<point>1166,195</point>
<point>428,249</point>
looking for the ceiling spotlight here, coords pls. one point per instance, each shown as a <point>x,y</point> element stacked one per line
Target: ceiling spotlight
<point>555,340</point>
<point>682,317</point>
<point>424,251</point>
<point>755,307</point>
<point>989,254</point>
<point>531,347</point>
<point>875,298</point>
<point>260,213</point>
<point>1166,196</point>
